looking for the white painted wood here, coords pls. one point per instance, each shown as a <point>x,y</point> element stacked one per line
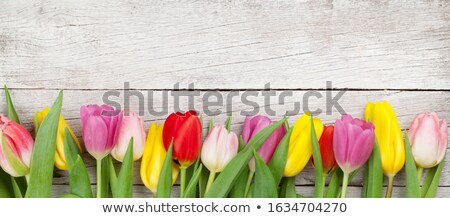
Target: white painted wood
<point>233,44</point>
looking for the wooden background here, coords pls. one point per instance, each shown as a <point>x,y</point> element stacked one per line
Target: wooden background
<point>397,51</point>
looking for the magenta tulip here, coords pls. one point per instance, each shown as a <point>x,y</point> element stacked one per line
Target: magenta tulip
<point>428,137</point>
<point>99,125</point>
<point>131,126</point>
<point>16,147</point>
<point>353,141</point>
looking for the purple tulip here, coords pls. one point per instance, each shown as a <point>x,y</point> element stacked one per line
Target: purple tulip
<point>252,126</point>
<point>99,126</point>
<point>353,141</point>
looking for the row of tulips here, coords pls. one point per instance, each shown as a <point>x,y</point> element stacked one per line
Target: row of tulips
<point>262,162</point>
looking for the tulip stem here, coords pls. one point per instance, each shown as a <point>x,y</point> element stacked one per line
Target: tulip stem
<point>324,181</point>
<point>249,181</point>
<point>182,181</point>
<point>344,185</point>
<point>212,175</point>
<point>27,178</point>
<point>99,178</point>
<point>419,174</point>
<point>390,186</point>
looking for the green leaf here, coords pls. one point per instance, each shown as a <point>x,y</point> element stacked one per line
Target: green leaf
<point>124,189</point>
<point>279,158</point>
<point>335,184</point>
<point>165,177</point>
<point>43,158</point>
<point>71,150</point>
<point>412,180</point>
<point>69,196</point>
<point>350,178</point>
<point>106,176</point>
<point>202,182</point>
<point>287,189</point>
<point>191,188</point>
<point>374,174</point>
<point>19,186</point>
<point>6,188</point>
<point>228,177</point>
<point>320,181</point>
<point>431,182</point>
<point>264,186</point>
<point>228,123</point>
<point>11,110</point>
<point>238,189</point>
<point>211,126</point>
<point>17,165</point>
<point>113,181</point>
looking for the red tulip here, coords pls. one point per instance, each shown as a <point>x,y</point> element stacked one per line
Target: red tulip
<point>186,132</point>
<point>326,150</point>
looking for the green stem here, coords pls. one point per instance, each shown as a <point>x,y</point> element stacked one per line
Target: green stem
<point>324,180</point>
<point>419,174</point>
<point>344,185</point>
<point>211,177</point>
<point>249,181</point>
<point>183,181</point>
<point>99,178</point>
<point>390,186</point>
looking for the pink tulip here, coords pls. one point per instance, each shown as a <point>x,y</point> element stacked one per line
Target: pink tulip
<point>219,147</point>
<point>428,138</point>
<point>99,126</point>
<point>131,126</point>
<point>353,141</point>
<point>253,126</point>
<point>15,140</point>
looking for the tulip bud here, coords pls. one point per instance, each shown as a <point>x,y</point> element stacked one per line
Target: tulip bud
<point>153,159</point>
<point>60,159</point>
<point>131,126</point>
<point>353,141</point>
<point>252,126</point>
<point>326,150</point>
<point>16,147</point>
<point>389,136</point>
<point>428,136</point>
<point>300,146</point>
<point>185,131</point>
<point>219,147</point>
<point>99,126</point>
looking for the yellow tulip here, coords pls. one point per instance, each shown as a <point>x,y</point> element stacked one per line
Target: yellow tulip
<point>389,136</point>
<point>300,148</point>
<point>153,159</point>
<point>60,159</point>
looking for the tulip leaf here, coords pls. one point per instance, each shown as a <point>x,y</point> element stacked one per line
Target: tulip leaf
<point>264,186</point>
<point>11,110</point>
<point>238,189</point>
<point>228,177</point>
<point>287,189</point>
<point>19,186</point>
<point>69,196</point>
<point>320,181</point>
<point>80,183</point>
<point>17,165</point>
<point>202,182</point>
<point>373,181</point>
<point>43,158</point>
<point>191,188</point>
<point>431,182</point>
<point>6,188</point>
<point>412,180</point>
<point>124,186</point>
<point>111,174</point>
<point>335,184</point>
<point>228,123</point>
<point>279,158</point>
<point>165,178</point>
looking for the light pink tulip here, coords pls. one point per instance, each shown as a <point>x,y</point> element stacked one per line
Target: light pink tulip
<point>428,137</point>
<point>19,142</point>
<point>219,147</point>
<point>130,126</point>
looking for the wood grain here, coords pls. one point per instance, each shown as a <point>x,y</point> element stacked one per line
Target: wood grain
<point>295,44</point>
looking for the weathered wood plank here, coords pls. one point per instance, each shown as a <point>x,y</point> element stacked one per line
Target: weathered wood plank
<point>224,44</point>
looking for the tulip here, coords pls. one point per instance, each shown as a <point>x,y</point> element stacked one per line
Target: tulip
<point>300,146</point>
<point>428,136</point>
<point>131,126</point>
<point>60,159</point>
<point>353,141</point>
<point>326,150</point>
<point>16,146</point>
<point>389,138</point>
<point>253,126</point>
<point>184,131</point>
<point>99,126</point>
<point>219,147</point>
<point>153,159</point>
